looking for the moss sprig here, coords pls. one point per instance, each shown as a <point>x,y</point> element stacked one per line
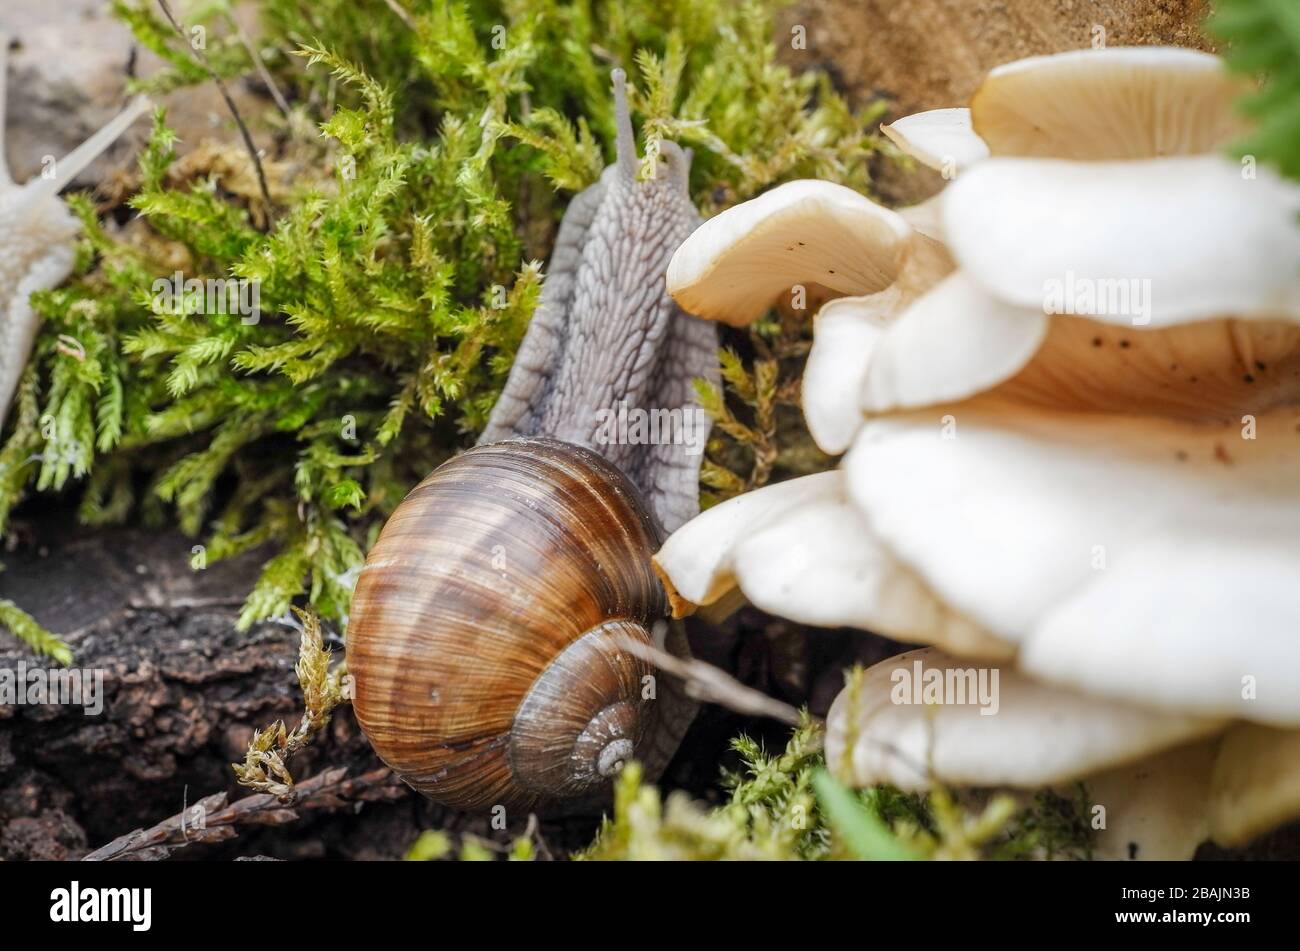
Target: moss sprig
<point>788,807</point>
<point>759,430</point>
<point>266,763</point>
<point>1263,42</point>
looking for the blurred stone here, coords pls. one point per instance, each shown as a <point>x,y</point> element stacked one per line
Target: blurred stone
<point>51,836</point>
<point>69,64</point>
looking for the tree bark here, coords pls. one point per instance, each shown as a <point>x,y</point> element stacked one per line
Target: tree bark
<point>183,691</point>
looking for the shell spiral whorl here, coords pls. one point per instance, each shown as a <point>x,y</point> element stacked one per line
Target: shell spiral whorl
<point>484,639</point>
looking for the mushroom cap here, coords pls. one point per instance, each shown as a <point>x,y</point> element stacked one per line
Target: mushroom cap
<point>1199,327</point>
<point>877,354</point>
<point>1136,243</point>
<point>696,563</point>
<point>800,550</point>
<point>1116,103</point>
<point>955,340</point>
<point>1103,428</point>
<point>1104,545</point>
<point>1209,371</point>
<point>845,339</point>
<point>846,332</point>
<point>1038,736</point>
<point>735,265</point>
<point>941,139</point>
<point>926,217</point>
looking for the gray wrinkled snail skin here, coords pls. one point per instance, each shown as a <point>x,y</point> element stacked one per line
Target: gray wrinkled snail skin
<point>606,334</point>
<point>485,640</point>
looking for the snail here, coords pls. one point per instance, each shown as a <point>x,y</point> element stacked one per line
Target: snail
<point>486,634</point>
<point>36,236</point>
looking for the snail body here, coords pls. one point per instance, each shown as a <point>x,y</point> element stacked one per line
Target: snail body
<point>486,626</point>
<point>485,640</point>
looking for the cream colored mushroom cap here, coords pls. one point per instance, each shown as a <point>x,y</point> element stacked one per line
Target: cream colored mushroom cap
<point>1116,103</point>
<point>849,335</point>
<point>1037,735</point>
<point>1155,808</point>
<point>1137,558</point>
<point>1229,788</point>
<point>956,340</point>
<point>872,355</point>
<point>696,563</point>
<point>1139,243</point>
<point>941,139</point>
<point>1163,783</point>
<point>1255,784</point>
<point>735,265</point>
<point>800,550</point>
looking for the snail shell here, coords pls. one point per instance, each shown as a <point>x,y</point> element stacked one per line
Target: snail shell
<point>485,629</point>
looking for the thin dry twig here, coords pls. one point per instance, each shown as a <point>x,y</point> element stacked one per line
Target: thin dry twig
<point>281,103</point>
<point>401,12</point>
<point>212,819</point>
<point>230,104</point>
<point>710,684</point>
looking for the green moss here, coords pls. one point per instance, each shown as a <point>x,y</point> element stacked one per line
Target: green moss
<point>1053,826</point>
<point>787,807</point>
<point>25,628</point>
<point>1263,41</point>
<point>759,433</point>
<point>417,184</point>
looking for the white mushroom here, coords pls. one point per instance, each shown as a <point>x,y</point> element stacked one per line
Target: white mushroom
<point>967,340</point>
<point>1158,784</point>
<point>1094,481</point>
<point>735,265</point>
<point>1117,103</point>
<point>698,569</point>
<point>801,550</point>
<point>1155,808</point>
<point>1025,736</point>
<point>941,139</point>
<point>1200,240</point>
<point>847,334</point>
<point>1104,545</point>
<point>1255,784</point>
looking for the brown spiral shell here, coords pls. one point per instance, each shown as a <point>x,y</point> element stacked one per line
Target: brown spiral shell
<point>483,641</point>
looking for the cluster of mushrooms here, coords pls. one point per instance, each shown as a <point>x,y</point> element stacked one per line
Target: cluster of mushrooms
<point>1068,393</point>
